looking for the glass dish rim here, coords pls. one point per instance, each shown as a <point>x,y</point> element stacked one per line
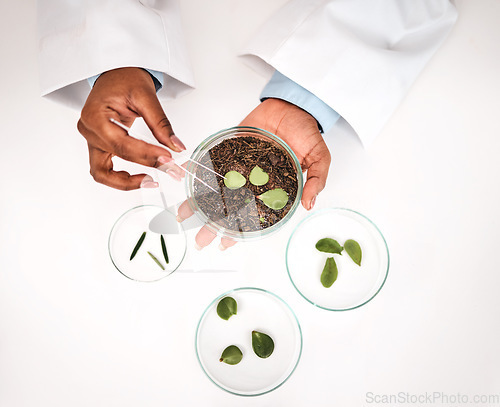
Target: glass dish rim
<point>254,235</point>
<point>316,213</point>
<point>109,244</point>
<point>224,295</point>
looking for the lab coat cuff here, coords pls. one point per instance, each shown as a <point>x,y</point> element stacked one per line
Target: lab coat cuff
<point>281,87</point>
<point>157,77</point>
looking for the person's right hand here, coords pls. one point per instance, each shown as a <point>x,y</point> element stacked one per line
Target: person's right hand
<point>125,94</point>
<point>300,131</point>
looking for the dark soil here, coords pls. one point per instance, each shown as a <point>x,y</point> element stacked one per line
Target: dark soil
<point>239,209</point>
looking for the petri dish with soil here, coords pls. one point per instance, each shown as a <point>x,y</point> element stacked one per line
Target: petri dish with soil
<point>258,188</point>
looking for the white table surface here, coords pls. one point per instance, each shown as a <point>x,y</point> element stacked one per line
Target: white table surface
<point>74,332</point>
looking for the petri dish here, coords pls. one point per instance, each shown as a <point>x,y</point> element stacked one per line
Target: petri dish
<point>239,213</point>
<point>258,310</point>
<point>355,285</point>
<point>127,231</point>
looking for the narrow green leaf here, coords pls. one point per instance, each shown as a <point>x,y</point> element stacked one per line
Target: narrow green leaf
<point>330,273</point>
<point>258,176</point>
<point>328,245</point>
<point>262,344</point>
<point>227,307</point>
<point>353,249</point>
<point>164,248</point>
<point>274,198</point>
<point>156,260</point>
<point>138,245</point>
<point>234,180</point>
<point>232,355</point>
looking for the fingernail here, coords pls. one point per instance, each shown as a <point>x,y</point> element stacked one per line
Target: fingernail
<point>172,173</point>
<point>313,201</point>
<point>148,182</point>
<point>163,159</point>
<point>197,246</point>
<point>149,185</point>
<point>222,247</point>
<point>179,219</point>
<point>179,144</point>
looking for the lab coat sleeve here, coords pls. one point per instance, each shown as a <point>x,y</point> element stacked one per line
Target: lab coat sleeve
<point>156,76</point>
<point>82,38</point>
<point>281,87</point>
<point>358,56</point>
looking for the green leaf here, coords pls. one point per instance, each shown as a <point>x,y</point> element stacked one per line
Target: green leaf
<point>227,307</point>
<point>328,245</point>
<point>262,344</point>
<point>330,273</point>
<point>353,249</point>
<point>258,176</point>
<point>138,245</point>
<point>164,248</point>
<point>156,260</point>
<point>231,355</point>
<point>234,180</point>
<point>275,198</point>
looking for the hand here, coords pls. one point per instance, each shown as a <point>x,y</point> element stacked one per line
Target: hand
<point>300,131</point>
<point>124,94</point>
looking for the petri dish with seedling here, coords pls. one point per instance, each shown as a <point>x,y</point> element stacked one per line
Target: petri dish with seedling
<point>142,254</point>
<point>248,185</point>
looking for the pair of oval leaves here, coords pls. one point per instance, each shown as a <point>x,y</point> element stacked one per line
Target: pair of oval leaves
<point>257,177</point>
<point>353,249</point>
<point>262,344</point>
<point>275,198</point>
<point>330,271</point>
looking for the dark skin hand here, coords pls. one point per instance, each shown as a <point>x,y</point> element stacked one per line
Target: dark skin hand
<point>125,94</point>
<point>300,131</point>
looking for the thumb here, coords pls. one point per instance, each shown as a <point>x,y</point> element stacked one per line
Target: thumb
<point>317,174</point>
<point>149,108</point>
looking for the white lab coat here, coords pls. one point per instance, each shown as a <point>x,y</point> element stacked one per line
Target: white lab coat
<point>358,56</point>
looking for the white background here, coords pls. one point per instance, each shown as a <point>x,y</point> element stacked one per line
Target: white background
<point>74,332</point>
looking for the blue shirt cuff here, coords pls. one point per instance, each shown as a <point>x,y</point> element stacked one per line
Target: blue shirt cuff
<point>281,87</point>
<point>155,75</point>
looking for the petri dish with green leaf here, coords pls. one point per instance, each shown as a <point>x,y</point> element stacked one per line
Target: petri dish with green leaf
<point>259,312</point>
<point>142,254</point>
<point>350,285</point>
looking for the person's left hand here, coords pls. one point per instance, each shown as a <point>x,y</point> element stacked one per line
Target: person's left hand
<point>300,131</point>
